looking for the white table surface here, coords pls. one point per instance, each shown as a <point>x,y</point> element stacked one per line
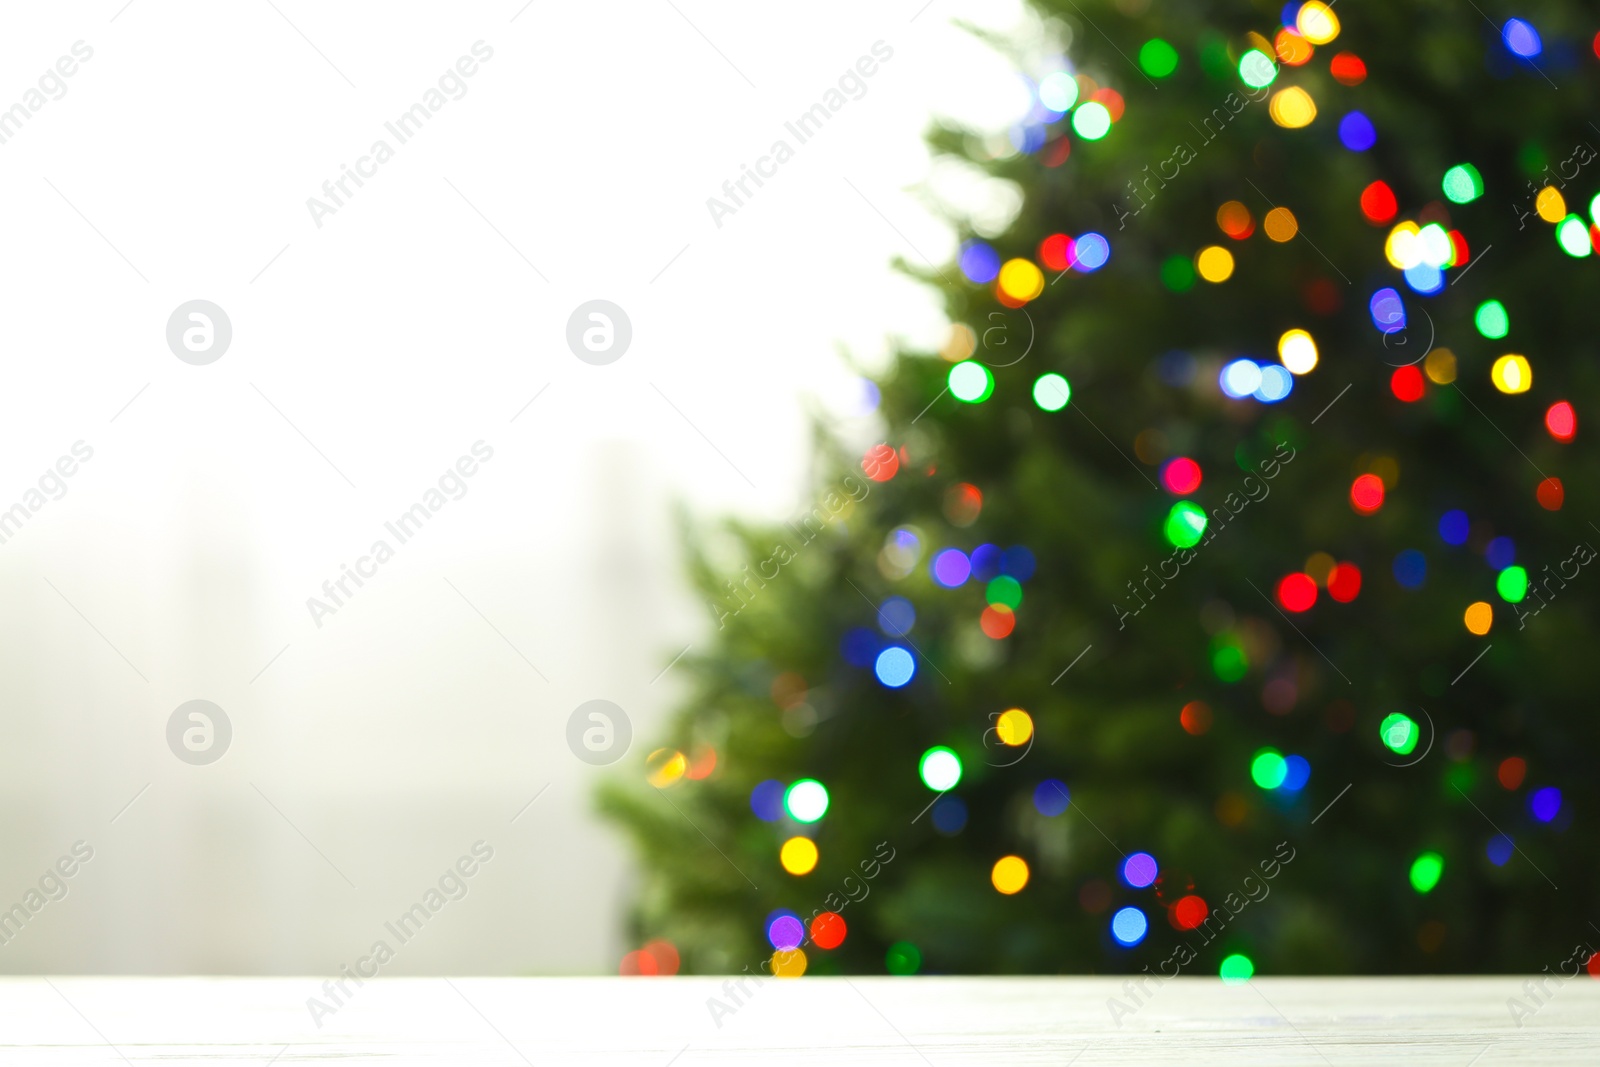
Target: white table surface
<point>937,1022</point>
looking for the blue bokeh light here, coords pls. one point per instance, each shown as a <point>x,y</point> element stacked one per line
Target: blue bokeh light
<point>895,666</point>
<point>1356,132</point>
<point>1128,926</point>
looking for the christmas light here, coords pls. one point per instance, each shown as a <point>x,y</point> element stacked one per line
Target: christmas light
<point>895,666</point>
<point>1058,91</point>
<point>1267,768</point>
<point>1316,22</point>
<point>1214,264</point>
<point>1092,121</point>
<point>1236,969</point>
<point>1511,374</point>
<point>1233,219</point>
<point>1399,733</point>
<point>1297,351</point>
<point>1491,320</point>
<point>940,769</point>
<point>798,855</point>
<point>1426,870</point>
<point>1128,926</point>
<point>970,382</point>
<point>806,800</point>
<point>1009,875</point>
<point>1185,525</point>
<point>1014,727</point>
<point>1462,184</point>
<point>1292,108</point>
<point>1561,421</point>
<point>1280,225</point>
<point>1356,132</point>
<point>1139,870</point>
<point>1256,70</point>
<point>1157,58</point>
<point>1051,798</point>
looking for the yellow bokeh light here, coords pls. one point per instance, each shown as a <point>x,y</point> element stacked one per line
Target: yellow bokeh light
<point>1440,366</point>
<point>1214,263</point>
<point>1010,874</point>
<point>1479,617</point>
<point>1292,108</point>
<point>1511,374</point>
<point>1297,351</point>
<point>665,766</point>
<point>1550,204</point>
<point>1402,249</point>
<point>1021,280</point>
<point>1316,22</point>
<point>788,963</point>
<point>961,343</point>
<point>1014,727</point>
<point>1280,224</point>
<point>798,855</point>
<point>1319,565</point>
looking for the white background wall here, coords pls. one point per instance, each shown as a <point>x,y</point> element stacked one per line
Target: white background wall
<point>178,564</point>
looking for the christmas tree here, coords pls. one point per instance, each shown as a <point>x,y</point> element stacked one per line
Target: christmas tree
<point>1219,599</point>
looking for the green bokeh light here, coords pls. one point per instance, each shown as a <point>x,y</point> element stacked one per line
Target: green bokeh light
<point>1256,69</point>
<point>1426,870</point>
<point>1462,183</point>
<point>970,382</point>
<point>1268,769</point>
<point>806,800</point>
<point>1157,58</point>
<point>1512,585</point>
<point>903,958</point>
<point>940,769</point>
<point>1051,392</point>
<point>1185,525</point>
<point>1399,733</point>
<point>1491,320</point>
<point>1228,660</point>
<point>1091,121</point>
<point>1236,968</point>
<point>1177,274</point>
<point>1004,590</point>
<point>1573,234</point>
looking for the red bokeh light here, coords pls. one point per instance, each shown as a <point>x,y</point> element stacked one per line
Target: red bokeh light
<point>1181,475</point>
<point>1112,100</point>
<point>1056,152</point>
<point>1055,251</point>
<point>1297,592</point>
<point>1321,297</point>
<point>1189,912</point>
<point>1378,203</point>
<point>1551,494</point>
<point>1463,251</point>
<point>1366,494</point>
<point>1195,717</point>
<point>702,763</point>
<point>997,621</point>
<point>665,955</point>
<point>1407,384</point>
<point>1512,771</point>
<point>828,930</point>
<point>1593,966</point>
<point>638,963</point>
<point>880,463</point>
<point>1344,582</point>
<point>1348,69</point>
<point>1561,421</point>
